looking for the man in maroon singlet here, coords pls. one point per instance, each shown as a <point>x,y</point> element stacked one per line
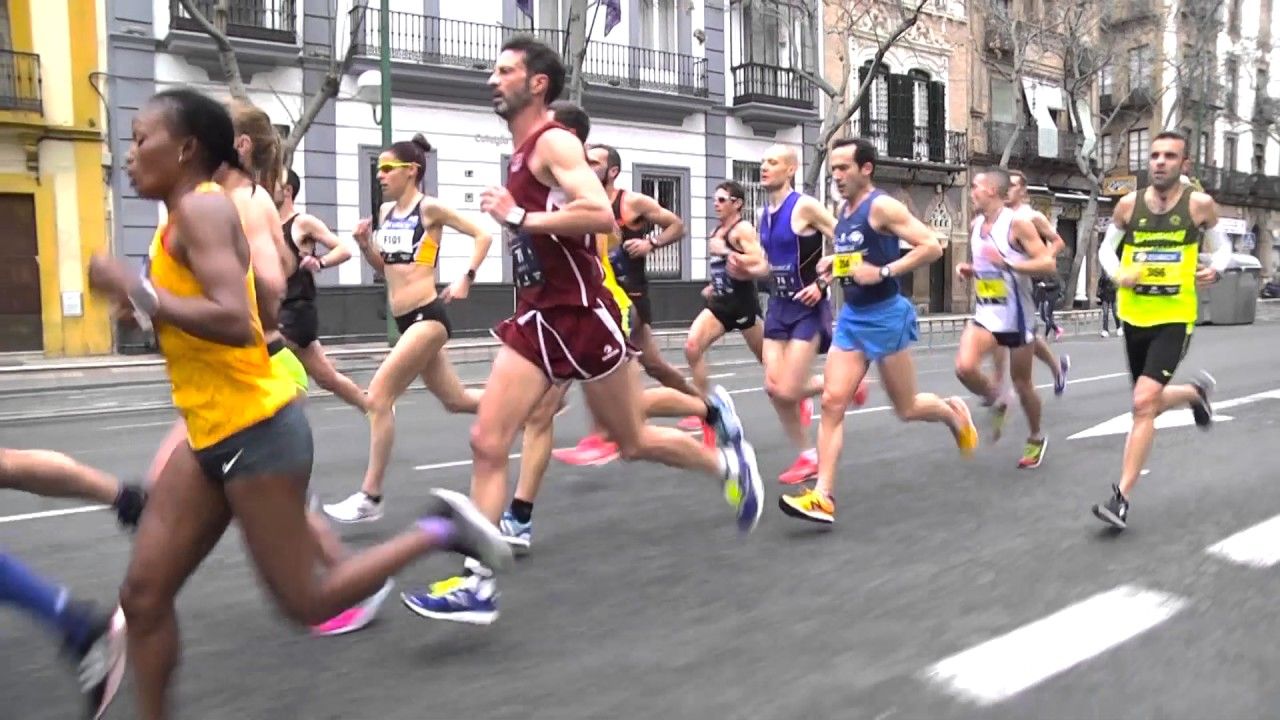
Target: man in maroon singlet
<point>566,327</point>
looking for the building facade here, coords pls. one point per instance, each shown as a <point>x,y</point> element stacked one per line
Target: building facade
<point>916,113</point>
<point>690,92</point>
<point>51,177</point>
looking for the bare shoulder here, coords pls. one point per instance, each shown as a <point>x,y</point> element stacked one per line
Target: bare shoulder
<point>558,143</point>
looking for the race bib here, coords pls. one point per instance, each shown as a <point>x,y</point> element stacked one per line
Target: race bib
<point>718,269</point>
<point>396,244</point>
<point>1160,272</point>
<point>785,280</point>
<point>992,290</point>
<point>618,258</point>
<point>843,264</point>
<point>525,268</point>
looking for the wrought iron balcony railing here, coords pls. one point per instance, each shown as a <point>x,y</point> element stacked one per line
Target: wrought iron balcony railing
<point>754,82</point>
<point>913,143</point>
<point>271,20</point>
<point>20,81</point>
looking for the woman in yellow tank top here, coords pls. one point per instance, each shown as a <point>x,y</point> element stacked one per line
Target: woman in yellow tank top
<point>249,450</point>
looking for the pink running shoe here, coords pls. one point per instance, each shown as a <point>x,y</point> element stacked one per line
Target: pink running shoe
<point>591,450</point>
<point>691,423</point>
<point>356,617</point>
<point>804,468</point>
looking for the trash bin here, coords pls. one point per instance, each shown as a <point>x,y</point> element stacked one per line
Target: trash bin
<point>1233,300</point>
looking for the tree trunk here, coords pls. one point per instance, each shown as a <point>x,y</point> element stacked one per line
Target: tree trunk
<point>216,30</point>
<point>1086,247</point>
<point>577,48</point>
<point>830,126</point>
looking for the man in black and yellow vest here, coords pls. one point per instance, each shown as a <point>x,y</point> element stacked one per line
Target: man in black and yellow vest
<point>1151,251</point>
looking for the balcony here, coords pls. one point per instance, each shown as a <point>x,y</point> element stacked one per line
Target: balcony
<point>1266,110</point>
<point>770,98</point>
<point>447,59</point>
<point>1121,12</point>
<point>1031,144</point>
<point>1106,103</point>
<point>1197,93</point>
<point>264,34</point>
<point>1140,97</point>
<point>20,82</point>
<point>1248,189</point>
<point>905,146</point>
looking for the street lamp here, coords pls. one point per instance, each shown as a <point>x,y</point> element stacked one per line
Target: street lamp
<point>378,83</point>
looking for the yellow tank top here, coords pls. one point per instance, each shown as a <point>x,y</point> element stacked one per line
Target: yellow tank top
<point>611,280</point>
<point>1164,249</point>
<point>218,389</point>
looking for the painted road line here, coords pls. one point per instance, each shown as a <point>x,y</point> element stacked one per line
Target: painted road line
<point>131,426</point>
<point>1182,417</point>
<point>50,514</point>
<point>717,376</point>
<point>1258,546</point>
<point>1005,666</point>
<point>455,463</point>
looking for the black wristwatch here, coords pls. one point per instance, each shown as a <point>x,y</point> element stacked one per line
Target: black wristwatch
<point>822,284</point>
<point>471,274</point>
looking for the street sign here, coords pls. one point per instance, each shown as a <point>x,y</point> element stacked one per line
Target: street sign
<point>1233,226</point>
<point>1119,185</point>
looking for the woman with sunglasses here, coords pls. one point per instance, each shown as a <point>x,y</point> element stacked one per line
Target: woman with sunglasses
<point>406,250</point>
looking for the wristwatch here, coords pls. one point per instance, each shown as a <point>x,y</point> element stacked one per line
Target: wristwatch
<point>471,274</point>
<point>515,217</point>
<point>885,272</point>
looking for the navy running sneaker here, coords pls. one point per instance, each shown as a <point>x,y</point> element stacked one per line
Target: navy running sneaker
<point>743,487</point>
<point>473,600</point>
<point>517,534</point>
<point>1064,366</point>
<point>1115,511</point>
<point>728,425</point>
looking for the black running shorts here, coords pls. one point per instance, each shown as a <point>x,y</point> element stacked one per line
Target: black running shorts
<point>1155,351</point>
<point>433,310</point>
<point>300,323</point>
<point>279,445</point>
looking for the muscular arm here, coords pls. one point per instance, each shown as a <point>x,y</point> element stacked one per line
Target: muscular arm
<point>1204,212</point>
<point>560,157</point>
<point>816,216</point>
<point>1048,232</point>
<point>437,213</point>
<point>1041,262</point>
<point>891,216</point>
<point>751,263</point>
<point>643,206</point>
<point>209,231</point>
<point>337,252</point>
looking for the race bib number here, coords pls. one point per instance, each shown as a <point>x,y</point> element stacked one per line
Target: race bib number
<point>992,290</point>
<point>1160,272</point>
<point>396,244</point>
<point>785,280</point>
<point>525,268</point>
<point>718,269</point>
<point>843,264</point>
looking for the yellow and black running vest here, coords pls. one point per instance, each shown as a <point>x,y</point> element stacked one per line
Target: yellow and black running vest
<point>1164,250</point>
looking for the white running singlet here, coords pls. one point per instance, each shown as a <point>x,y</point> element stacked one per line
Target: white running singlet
<point>1004,297</point>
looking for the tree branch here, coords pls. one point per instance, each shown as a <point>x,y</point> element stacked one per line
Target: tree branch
<point>226,53</point>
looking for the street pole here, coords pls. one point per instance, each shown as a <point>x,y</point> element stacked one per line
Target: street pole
<point>384,56</point>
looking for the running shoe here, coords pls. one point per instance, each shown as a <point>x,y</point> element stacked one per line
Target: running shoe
<point>474,601</point>
<point>1201,410</point>
<point>359,508</point>
<point>690,423</point>
<point>967,439</point>
<point>809,505</point>
<point>1060,382</point>
<point>804,468</point>
<point>742,486</point>
<point>1104,333</point>
<point>357,617</point>
<point>728,426</point>
<point>997,413</point>
<point>101,666</point>
<point>860,395</point>
<point>1033,453</point>
<point>806,412</point>
<point>517,534</point>
<point>591,450</point>
<point>1057,334</point>
<point>1115,511</point>
<point>473,534</point>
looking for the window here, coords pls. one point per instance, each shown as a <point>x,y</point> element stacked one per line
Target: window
<point>1204,148</point>
<point>1106,80</point>
<point>1002,100</point>
<point>6,34</point>
<point>748,174</point>
<point>658,25</point>
<point>1107,148</point>
<point>1141,62</point>
<point>1232,71</point>
<point>1139,142</point>
<point>1230,150</point>
<point>1259,157</point>
<point>668,190</point>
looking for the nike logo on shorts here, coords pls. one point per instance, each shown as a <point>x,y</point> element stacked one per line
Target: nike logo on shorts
<point>226,466</point>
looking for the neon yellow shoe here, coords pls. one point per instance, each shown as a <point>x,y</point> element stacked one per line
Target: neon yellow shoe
<point>810,505</point>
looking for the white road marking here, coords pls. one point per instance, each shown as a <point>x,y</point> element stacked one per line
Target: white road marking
<point>50,513</point>
<point>717,376</point>
<point>455,463</point>
<point>1121,424</point>
<point>1005,666</point>
<point>137,425</point>
<point>1258,546</point>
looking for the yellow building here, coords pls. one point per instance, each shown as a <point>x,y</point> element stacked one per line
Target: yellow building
<point>52,194</point>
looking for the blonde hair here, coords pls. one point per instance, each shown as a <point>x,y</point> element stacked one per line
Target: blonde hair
<point>265,159</point>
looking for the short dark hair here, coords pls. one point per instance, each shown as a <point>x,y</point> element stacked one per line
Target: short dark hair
<point>734,188</point>
<point>294,183</point>
<point>190,113</point>
<point>413,151</point>
<point>1019,175</point>
<point>540,59</point>
<point>572,116</point>
<point>864,151</point>
<point>1173,135</point>
<point>1001,176</point>
<point>615,160</point>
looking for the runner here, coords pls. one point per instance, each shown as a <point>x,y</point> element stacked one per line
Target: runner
<point>797,324</point>
<point>406,250</point>
<point>53,474</point>
<point>1058,365</point>
<point>1151,251</point>
<point>93,640</point>
<point>305,234</point>
<point>877,324</point>
<point>566,325</point>
<point>1007,250</point>
<point>248,454</point>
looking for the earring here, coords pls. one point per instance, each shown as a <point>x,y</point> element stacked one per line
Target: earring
<point>181,157</point>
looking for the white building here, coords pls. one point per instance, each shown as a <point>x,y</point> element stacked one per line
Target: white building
<point>688,93</point>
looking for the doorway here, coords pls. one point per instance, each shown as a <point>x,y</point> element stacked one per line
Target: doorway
<point>21,328</point>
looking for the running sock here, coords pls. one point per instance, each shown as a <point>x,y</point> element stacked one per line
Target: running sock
<point>521,510</point>
<point>713,413</point>
<point>374,498</point>
<point>20,586</point>
<point>438,530</point>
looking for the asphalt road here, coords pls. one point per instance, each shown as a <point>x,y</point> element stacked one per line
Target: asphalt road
<point>947,588</point>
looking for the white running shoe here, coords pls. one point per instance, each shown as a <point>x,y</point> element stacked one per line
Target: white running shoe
<point>358,508</point>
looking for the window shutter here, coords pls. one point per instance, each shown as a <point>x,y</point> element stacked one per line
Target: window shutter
<point>901,116</point>
<point>937,122</point>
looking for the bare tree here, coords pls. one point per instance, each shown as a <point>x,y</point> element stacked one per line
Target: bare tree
<point>576,39</point>
<point>1018,41</point>
<point>885,22</point>
<point>339,63</point>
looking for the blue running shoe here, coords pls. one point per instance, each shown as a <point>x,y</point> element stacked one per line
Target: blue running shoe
<point>517,534</point>
<point>473,601</point>
<point>728,426</point>
<point>743,487</point>
<point>1064,365</point>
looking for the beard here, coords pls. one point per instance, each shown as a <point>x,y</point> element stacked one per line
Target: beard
<point>1171,180</point>
<point>509,106</point>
